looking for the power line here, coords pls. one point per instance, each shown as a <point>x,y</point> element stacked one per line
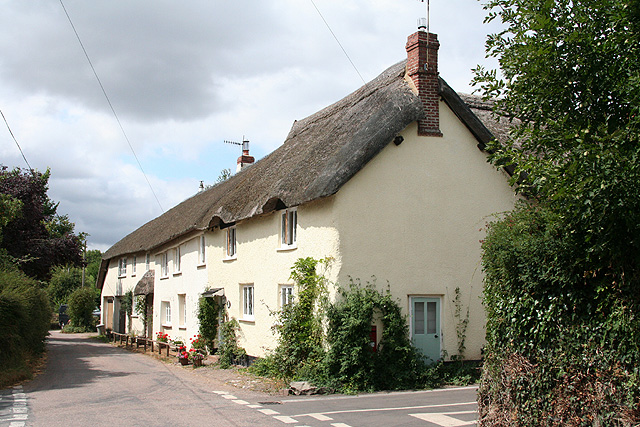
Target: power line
<point>104,92</point>
<point>340,44</point>
<point>14,138</point>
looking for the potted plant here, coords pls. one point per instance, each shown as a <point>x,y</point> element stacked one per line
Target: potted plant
<point>183,356</point>
<point>196,357</point>
<point>162,337</point>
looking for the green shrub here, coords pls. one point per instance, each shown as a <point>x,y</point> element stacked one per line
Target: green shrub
<point>25,316</point>
<point>563,344</point>
<point>81,305</point>
<point>229,351</point>
<point>208,316</point>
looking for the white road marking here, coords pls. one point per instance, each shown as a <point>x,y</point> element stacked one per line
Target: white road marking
<point>444,419</point>
<point>269,412</point>
<point>240,402</point>
<point>340,425</point>
<point>254,406</point>
<point>229,397</point>
<point>320,417</point>
<point>285,419</point>
<point>403,408</point>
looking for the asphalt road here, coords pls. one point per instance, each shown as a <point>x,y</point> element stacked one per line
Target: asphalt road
<point>88,383</point>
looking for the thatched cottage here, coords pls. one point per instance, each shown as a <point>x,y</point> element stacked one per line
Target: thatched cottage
<point>391,181</point>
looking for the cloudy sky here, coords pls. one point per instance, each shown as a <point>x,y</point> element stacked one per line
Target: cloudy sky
<point>183,77</point>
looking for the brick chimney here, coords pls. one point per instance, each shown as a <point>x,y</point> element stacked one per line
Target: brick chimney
<point>245,159</point>
<point>422,67</point>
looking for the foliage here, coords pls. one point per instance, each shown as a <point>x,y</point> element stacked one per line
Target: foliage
<point>64,280</point>
<point>208,318</point>
<point>142,311</point>
<point>93,258</point>
<point>461,325</point>
<point>299,328</point>
<point>36,236</point>
<point>331,346</point>
<point>230,352</point>
<point>82,302</point>
<point>563,346</point>
<point>25,316</point>
<point>197,343</point>
<point>563,273</point>
<point>350,360</point>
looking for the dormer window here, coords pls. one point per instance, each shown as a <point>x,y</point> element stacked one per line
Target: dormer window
<point>289,222</point>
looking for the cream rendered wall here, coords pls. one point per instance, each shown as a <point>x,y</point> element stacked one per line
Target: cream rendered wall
<point>128,282</point>
<point>260,262</point>
<point>414,216</point>
<point>191,281</point>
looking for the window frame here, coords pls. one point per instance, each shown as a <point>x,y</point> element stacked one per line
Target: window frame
<point>231,243</point>
<point>248,302</point>
<point>164,265</point>
<point>133,265</point>
<point>166,313</point>
<point>202,251</point>
<point>287,294</point>
<point>288,229</point>
<point>122,267</point>
<point>147,262</point>
<point>182,311</point>
<point>177,260</point>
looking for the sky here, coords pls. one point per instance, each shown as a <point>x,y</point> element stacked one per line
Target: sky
<point>183,77</point>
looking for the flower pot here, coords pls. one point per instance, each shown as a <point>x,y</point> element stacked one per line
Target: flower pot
<point>183,361</point>
<point>197,362</point>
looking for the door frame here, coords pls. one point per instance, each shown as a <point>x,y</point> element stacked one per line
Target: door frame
<point>439,333</point>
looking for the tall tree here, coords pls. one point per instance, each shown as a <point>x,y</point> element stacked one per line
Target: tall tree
<point>563,273</point>
<point>37,236</point>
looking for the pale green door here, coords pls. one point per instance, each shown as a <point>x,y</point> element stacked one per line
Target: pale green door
<point>425,326</point>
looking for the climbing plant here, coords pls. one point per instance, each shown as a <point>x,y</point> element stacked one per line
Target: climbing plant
<point>208,318</point>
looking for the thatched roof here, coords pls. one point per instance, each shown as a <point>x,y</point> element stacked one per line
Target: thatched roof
<point>320,154</point>
<point>145,284</point>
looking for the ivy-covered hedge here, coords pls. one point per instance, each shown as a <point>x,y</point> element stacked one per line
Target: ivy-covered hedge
<point>563,342</point>
<point>25,317</point>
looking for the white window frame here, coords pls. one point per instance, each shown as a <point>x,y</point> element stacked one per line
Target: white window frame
<point>231,251</point>
<point>248,303</point>
<point>147,262</point>
<point>164,264</point>
<point>122,267</point>
<point>166,313</point>
<point>177,260</point>
<point>202,249</point>
<point>182,310</point>
<point>286,294</point>
<point>133,265</point>
<point>288,229</point>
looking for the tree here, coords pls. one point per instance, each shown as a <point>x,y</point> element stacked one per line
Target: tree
<point>563,270</point>
<point>82,302</point>
<point>36,236</point>
<point>64,280</point>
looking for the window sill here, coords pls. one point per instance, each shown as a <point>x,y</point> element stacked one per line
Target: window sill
<point>287,248</point>
<point>182,328</point>
<point>230,258</point>
<point>177,273</point>
<point>167,325</point>
<point>164,277</point>
<point>248,320</point>
<point>122,276</point>
<point>201,265</point>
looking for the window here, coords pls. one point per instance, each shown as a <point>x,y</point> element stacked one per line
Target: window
<point>166,313</point>
<point>148,262</point>
<point>182,308</point>
<point>288,229</point>
<point>247,302</point>
<point>177,258</point>
<point>231,242</point>
<point>122,267</point>
<point>286,295</point>
<point>164,265</point>
<point>201,253</point>
<point>133,265</point>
